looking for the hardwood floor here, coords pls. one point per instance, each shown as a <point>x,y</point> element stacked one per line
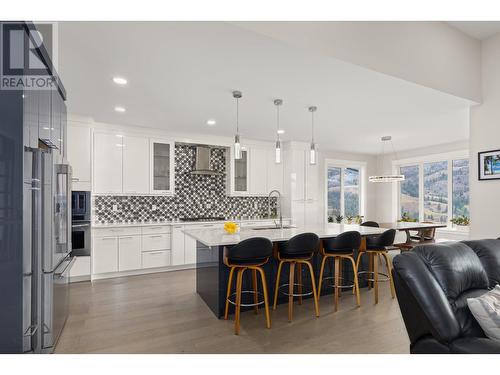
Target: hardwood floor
<point>161,313</point>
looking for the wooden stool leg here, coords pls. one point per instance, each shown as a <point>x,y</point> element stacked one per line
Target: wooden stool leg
<point>336,277</point>
<point>315,293</point>
<point>341,268</point>
<point>228,293</point>
<point>255,289</point>
<point>356,283</point>
<point>290,291</point>
<point>266,299</point>
<point>299,281</point>
<point>239,279</point>
<point>276,291</point>
<point>370,269</point>
<point>389,269</point>
<point>322,269</point>
<point>375,278</point>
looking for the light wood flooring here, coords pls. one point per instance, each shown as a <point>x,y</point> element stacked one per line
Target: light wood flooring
<point>161,313</point>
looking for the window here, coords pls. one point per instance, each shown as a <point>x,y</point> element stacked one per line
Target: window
<point>334,192</point>
<point>409,203</point>
<point>344,193</point>
<point>351,192</point>
<point>435,191</point>
<point>460,187</point>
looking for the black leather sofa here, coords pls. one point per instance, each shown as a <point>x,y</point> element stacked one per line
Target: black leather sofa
<point>433,283</point>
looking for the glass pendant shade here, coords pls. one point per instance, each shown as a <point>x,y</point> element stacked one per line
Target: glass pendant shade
<point>278,152</point>
<point>237,147</point>
<point>312,154</point>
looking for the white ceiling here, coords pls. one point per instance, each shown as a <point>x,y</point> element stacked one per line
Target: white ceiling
<point>182,73</point>
<point>477,29</point>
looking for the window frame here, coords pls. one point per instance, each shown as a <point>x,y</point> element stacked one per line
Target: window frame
<point>420,161</point>
<point>343,164</point>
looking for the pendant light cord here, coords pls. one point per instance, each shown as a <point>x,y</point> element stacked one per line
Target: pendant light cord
<point>312,127</point>
<point>237,116</point>
<point>278,121</point>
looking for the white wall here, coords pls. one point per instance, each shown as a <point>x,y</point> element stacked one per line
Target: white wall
<point>485,136</point>
<point>431,54</point>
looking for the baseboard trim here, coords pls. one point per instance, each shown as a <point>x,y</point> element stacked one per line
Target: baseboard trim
<point>142,272</point>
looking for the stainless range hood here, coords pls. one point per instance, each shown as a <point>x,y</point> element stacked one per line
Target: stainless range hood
<point>202,162</point>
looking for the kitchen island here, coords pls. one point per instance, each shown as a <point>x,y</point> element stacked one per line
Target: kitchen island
<point>212,275</point>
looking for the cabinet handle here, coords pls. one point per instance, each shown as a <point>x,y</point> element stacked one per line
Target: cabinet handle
<point>126,238</point>
<point>158,236</point>
<point>75,179</point>
<point>156,252</point>
<point>108,238</point>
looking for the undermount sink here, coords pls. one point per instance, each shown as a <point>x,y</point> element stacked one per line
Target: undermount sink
<point>274,227</point>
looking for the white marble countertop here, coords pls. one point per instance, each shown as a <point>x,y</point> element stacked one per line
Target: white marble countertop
<point>178,222</point>
<point>218,237</point>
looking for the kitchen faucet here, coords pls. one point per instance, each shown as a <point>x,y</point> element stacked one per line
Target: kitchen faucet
<point>279,205</point>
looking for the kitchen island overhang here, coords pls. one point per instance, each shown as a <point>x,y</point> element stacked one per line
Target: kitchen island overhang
<point>212,274</point>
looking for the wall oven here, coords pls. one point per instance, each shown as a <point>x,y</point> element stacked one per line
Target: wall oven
<point>80,226</point>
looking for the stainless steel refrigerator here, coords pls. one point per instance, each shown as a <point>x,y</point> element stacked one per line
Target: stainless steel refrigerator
<point>46,248</point>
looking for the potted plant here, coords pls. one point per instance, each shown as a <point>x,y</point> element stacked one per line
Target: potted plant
<point>349,219</point>
<point>338,219</point>
<point>405,217</point>
<point>330,219</point>
<point>460,222</point>
<point>359,219</point>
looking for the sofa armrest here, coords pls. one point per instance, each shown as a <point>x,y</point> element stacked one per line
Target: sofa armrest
<point>475,345</point>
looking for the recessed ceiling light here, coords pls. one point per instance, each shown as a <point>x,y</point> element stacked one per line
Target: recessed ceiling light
<point>211,122</point>
<point>281,131</point>
<point>120,81</point>
<point>119,109</point>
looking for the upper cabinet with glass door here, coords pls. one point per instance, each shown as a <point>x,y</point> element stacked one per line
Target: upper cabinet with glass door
<point>162,166</point>
<point>240,183</point>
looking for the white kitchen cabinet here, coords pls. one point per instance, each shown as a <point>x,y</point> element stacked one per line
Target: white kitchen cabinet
<point>162,171</point>
<point>81,269</point>
<point>311,179</point>
<point>136,165</point>
<point>105,255</point>
<point>178,253</point>
<point>297,174</point>
<point>258,171</point>
<point>155,259</point>
<point>79,149</point>
<point>129,253</point>
<point>108,163</point>
<point>274,172</point>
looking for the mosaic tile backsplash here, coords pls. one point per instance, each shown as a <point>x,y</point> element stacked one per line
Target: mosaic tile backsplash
<point>195,196</point>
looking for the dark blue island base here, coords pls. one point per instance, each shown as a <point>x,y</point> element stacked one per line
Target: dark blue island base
<point>212,276</point>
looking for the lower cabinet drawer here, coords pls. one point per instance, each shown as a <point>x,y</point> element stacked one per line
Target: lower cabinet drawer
<point>153,242</point>
<point>154,259</point>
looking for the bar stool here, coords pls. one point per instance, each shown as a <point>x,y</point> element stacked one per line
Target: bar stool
<point>297,251</point>
<point>379,246</point>
<point>250,254</point>
<point>371,224</point>
<point>340,248</point>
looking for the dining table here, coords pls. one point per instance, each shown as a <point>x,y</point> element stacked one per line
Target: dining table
<point>407,227</point>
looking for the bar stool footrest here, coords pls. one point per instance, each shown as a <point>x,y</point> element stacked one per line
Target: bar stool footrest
<point>385,277</point>
<point>232,298</point>
<point>348,286</point>
<point>307,293</point>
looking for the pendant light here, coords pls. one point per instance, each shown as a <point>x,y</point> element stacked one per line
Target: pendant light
<point>312,151</point>
<point>277,103</point>
<point>387,177</point>
<point>237,146</point>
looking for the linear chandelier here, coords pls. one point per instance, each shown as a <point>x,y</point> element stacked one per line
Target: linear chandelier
<point>387,177</point>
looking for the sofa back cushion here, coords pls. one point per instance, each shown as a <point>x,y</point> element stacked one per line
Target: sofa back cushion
<point>455,266</point>
<point>488,252</point>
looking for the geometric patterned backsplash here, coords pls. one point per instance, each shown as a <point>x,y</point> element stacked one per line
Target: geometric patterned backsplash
<point>195,196</point>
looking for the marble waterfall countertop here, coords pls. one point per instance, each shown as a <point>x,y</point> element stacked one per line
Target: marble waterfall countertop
<point>180,222</point>
<point>218,237</point>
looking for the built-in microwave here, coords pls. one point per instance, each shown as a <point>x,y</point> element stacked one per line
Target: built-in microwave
<point>80,205</point>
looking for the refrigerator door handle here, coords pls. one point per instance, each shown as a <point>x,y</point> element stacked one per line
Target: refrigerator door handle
<point>68,267</point>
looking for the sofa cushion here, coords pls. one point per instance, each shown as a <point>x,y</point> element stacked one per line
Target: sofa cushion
<point>468,324</point>
<point>475,345</point>
<point>488,252</point>
<point>486,310</point>
<point>455,266</point>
